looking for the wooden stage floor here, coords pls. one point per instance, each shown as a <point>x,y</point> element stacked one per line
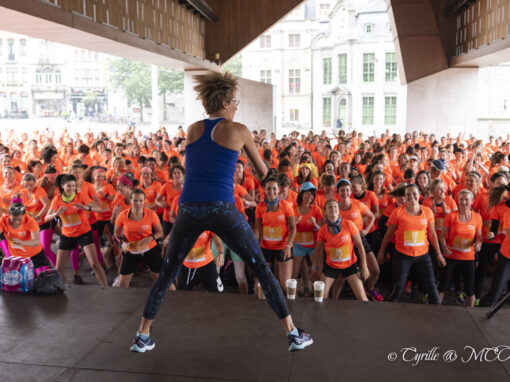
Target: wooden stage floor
<point>85,334</point>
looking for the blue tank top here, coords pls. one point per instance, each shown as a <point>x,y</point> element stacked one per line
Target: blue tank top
<point>209,169</point>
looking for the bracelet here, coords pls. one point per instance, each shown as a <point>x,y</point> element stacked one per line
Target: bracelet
<point>89,208</point>
<point>287,245</point>
<point>313,268</point>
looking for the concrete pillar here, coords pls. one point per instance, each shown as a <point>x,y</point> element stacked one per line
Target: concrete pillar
<point>443,102</point>
<point>155,98</point>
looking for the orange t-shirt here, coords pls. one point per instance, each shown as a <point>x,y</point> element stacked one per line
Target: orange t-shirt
<point>7,195</point>
<point>355,213</point>
<point>411,232</point>
<point>481,205</point>
<point>505,246</point>
<point>306,236</point>
<point>321,200</point>
<point>169,194</point>
<point>136,230</point>
<point>370,200</point>
<point>89,190</point>
<point>150,195</point>
<point>33,204</point>
<point>201,254</point>
<point>23,232</point>
<point>120,201</point>
<point>498,213</point>
<point>275,232</point>
<point>105,204</point>
<point>74,221</point>
<point>339,248</point>
<point>440,214</point>
<point>461,236</point>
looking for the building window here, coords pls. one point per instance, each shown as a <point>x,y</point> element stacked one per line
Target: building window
<point>294,114</point>
<point>12,75</point>
<point>47,76</point>
<point>265,41</point>
<point>368,67</point>
<point>294,81</point>
<point>14,102</point>
<point>342,68</point>
<point>342,112</point>
<point>327,76</point>
<point>368,111</point>
<point>10,49</point>
<point>24,102</point>
<point>391,66</point>
<point>369,28</point>
<point>58,76</point>
<point>323,10</point>
<point>24,75</point>
<point>294,40</point>
<point>390,110</point>
<point>265,76</point>
<point>23,47</point>
<point>38,76</point>
<point>326,111</point>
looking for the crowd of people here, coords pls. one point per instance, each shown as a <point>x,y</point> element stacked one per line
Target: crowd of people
<point>428,214</point>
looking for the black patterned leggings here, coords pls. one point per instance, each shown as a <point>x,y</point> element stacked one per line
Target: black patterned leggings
<point>223,219</point>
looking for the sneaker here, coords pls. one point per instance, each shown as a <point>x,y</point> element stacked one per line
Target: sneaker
<point>424,298</point>
<point>477,302</point>
<point>78,280</point>
<point>461,299</point>
<point>408,287</point>
<point>141,346</point>
<point>115,283</point>
<point>300,341</point>
<point>376,295</point>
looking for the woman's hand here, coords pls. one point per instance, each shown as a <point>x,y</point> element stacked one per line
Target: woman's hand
<point>80,206</point>
<point>380,257</point>
<point>365,274</point>
<point>220,259</point>
<point>287,253</point>
<point>441,261</point>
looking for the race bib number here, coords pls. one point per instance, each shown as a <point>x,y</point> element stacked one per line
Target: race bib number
<point>340,255</point>
<point>70,220</point>
<point>135,248</point>
<point>272,233</point>
<point>414,238</point>
<point>304,238</point>
<point>462,244</point>
<point>196,255</point>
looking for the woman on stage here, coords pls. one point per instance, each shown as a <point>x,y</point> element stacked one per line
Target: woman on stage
<point>207,203</point>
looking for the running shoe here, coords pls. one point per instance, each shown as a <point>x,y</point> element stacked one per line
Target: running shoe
<point>376,295</point>
<point>477,302</point>
<point>115,283</point>
<point>142,345</point>
<point>408,287</point>
<point>461,298</point>
<point>300,341</point>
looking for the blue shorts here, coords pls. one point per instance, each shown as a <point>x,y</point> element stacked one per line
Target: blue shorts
<point>299,250</point>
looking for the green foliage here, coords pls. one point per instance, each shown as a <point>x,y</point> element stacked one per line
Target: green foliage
<point>234,66</point>
<point>134,78</point>
<point>170,81</point>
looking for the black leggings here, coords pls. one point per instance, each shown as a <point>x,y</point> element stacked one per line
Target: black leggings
<point>401,267</point>
<point>466,268</point>
<point>223,219</point>
<point>501,277</point>
<point>485,257</point>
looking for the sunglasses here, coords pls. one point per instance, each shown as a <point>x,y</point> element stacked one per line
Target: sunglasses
<point>236,100</point>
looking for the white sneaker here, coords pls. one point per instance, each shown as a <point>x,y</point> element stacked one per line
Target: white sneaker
<point>116,282</point>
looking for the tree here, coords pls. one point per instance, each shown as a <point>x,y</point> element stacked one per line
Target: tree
<point>234,66</point>
<point>134,78</point>
<point>169,81</point>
